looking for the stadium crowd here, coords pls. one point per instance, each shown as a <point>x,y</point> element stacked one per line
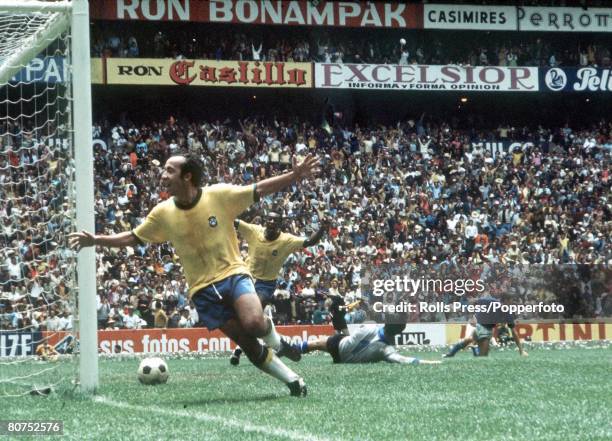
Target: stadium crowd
<point>423,194</point>
<point>218,42</point>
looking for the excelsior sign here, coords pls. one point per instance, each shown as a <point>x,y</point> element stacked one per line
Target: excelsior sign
<point>422,77</point>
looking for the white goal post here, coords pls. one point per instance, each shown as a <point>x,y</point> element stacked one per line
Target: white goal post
<point>36,25</point>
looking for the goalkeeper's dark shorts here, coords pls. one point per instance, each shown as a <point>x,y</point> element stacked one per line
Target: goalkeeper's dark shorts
<point>333,346</point>
<point>338,320</point>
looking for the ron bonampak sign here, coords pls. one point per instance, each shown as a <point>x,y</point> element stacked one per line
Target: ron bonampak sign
<point>424,77</point>
<point>584,79</point>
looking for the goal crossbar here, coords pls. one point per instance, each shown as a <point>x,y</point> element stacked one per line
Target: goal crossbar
<point>33,46</point>
<point>28,6</point>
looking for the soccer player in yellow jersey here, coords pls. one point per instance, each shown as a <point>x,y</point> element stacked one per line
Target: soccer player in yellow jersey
<point>268,250</point>
<point>46,351</point>
<point>199,223</point>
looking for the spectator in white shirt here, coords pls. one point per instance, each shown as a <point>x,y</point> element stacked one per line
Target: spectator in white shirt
<point>64,321</point>
<point>133,320</point>
<point>471,231</point>
<point>308,291</point>
<point>53,322</point>
<point>14,268</point>
<point>256,52</point>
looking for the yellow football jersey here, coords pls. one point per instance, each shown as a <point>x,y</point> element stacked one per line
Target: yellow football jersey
<point>203,236</point>
<point>267,257</point>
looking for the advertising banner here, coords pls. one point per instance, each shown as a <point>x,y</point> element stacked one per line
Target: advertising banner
<point>496,148</point>
<point>97,71</point>
<point>416,333</point>
<point>472,17</point>
<point>53,70</point>
<point>545,332</point>
<point>266,12</point>
<point>424,77</point>
<point>13,343</point>
<point>168,72</point>
<point>177,339</point>
<point>552,19</point>
<point>44,70</point>
<point>568,79</point>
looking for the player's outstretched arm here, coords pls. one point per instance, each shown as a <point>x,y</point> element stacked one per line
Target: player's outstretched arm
<point>395,357</point>
<point>316,237</point>
<point>519,343</point>
<point>299,171</point>
<point>82,239</point>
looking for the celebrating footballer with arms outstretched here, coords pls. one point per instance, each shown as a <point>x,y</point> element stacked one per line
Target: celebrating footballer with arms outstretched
<point>199,223</point>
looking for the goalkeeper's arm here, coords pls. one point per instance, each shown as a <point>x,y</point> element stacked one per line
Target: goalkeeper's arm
<point>396,357</point>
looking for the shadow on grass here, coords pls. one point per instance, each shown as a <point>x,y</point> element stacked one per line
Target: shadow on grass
<point>231,400</point>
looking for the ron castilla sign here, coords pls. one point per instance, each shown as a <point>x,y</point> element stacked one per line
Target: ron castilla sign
<point>584,79</point>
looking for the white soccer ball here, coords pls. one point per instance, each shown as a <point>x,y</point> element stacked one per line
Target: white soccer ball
<point>153,371</point>
<point>402,41</point>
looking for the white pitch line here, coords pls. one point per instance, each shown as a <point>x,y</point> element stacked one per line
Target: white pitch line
<point>244,426</point>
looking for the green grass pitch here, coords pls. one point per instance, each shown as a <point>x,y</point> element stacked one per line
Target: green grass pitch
<point>558,394</point>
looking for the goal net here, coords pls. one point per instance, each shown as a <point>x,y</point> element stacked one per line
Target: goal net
<point>41,336</point>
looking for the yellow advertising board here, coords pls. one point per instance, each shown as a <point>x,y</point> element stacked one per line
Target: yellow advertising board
<point>544,332</point>
<point>211,73</point>
<point>97,71</point>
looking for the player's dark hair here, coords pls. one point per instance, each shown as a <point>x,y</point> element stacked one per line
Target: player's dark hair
<point>194,166</point>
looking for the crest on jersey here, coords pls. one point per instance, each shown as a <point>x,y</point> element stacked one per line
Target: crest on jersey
<point>275,252</point>
<point>212,221</point>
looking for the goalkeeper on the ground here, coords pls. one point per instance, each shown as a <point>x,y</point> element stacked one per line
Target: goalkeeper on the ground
<point>369,344</point>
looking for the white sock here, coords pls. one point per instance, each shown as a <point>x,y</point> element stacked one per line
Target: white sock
<point>279,370</point>
<point>272,339</point>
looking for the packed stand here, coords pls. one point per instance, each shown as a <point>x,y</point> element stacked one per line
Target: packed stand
<point>415,195</point>
<point>35,209</point>
<point>222,42</point>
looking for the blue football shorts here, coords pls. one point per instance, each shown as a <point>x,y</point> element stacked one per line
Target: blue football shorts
<point>265,290</point>
<point>214,302</point>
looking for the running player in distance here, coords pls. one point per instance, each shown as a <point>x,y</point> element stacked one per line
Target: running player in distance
<point>269,247</point>
<point>487,318</point>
